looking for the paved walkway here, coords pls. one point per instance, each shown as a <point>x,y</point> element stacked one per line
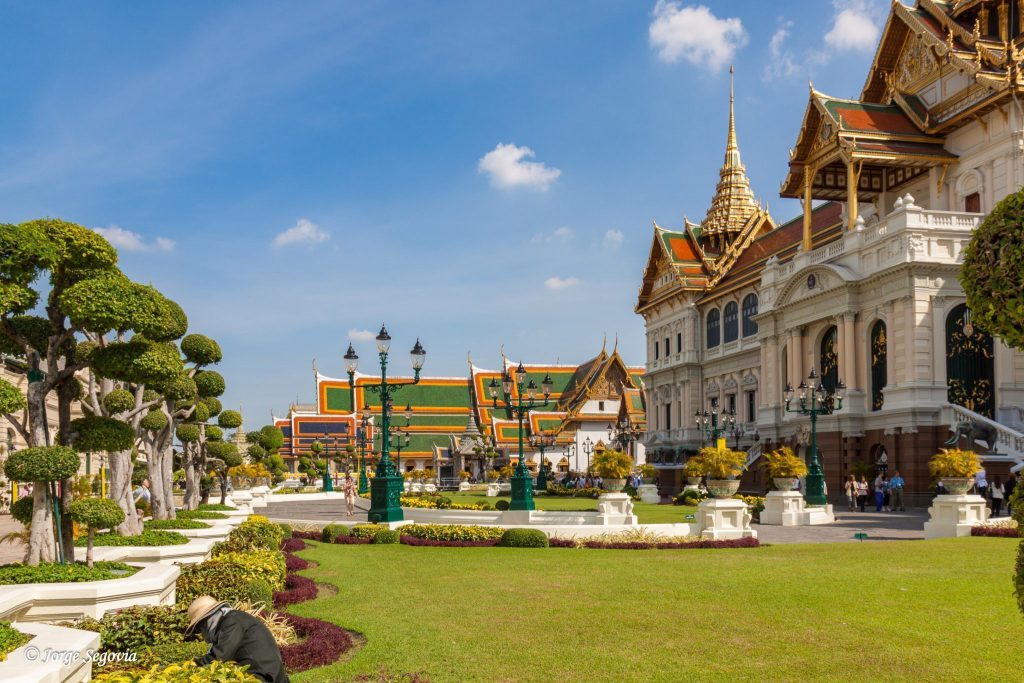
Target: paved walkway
<point>879,526</point>
<point>10,552</point>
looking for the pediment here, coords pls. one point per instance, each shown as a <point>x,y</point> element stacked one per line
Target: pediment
<point>813,281</point>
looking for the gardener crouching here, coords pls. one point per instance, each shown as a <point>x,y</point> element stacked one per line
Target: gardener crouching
<point>236,636</point>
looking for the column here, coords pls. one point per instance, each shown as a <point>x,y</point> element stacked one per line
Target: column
<point>808,179</point>
<point>850,355</point>
<point>796,371</point>
<point>908,338</point>
<point>852,181</point>
<point>841,348</point>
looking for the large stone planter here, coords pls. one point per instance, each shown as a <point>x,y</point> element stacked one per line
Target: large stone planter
<point>723,488</point>
<point>615,508</point>
<point>952,516</point>
<point>784,483</point>
<point>492,490</point>
<point>787,508</point>
<point>957,486</point>
<point>260,495</point>
<point>69,661</point>
<point>614,484</point>
<point>649,494</point>
<point>724,519</point>
<point>693,481</point>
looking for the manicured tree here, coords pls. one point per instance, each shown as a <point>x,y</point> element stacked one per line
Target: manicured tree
<point>263,448</point>
<point>222,456</point>
<point>41,465</point>
<point>60,254</point>
<point>95,513</point>
<point>95,433</point>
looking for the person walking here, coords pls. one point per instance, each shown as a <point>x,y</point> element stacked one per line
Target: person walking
<point>1008,488</point>
<point>850,489</point>
<point>879,491</point>
<point>981,483</point>
<point>896,485</point>
<point>348,487</point>
<point>886,494</point>
<point>236,636</point>
<point>996,491</point>
<point>862,492</point>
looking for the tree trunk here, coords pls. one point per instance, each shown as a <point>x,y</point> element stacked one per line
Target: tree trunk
<point>66,393</point>
<point>41,547</point>
<point>191,478</point>
<point>88,550</point>
<point>223,490</point>
<point>121,492</point>
<point>155,471</point>
<point>167,463</point>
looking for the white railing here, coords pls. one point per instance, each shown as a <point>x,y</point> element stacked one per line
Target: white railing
<point>1008,441</point>
<point>753,453</point>
<point>828,252</point>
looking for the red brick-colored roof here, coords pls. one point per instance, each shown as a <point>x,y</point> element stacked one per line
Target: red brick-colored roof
<point>682,250</point>
<point>872,118</point>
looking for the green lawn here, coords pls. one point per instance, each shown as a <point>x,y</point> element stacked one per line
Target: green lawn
<point>646,513</point>
<point>916,611</point>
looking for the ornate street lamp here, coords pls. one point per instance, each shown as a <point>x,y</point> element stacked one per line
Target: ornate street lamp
<point>712,425</point>
<point>588,448</point>
<point>386,487</point>
<point>364,427</point>
<point>541,442</point>
<point>567,451</point>
<point>814,400</point>
<point>525,400</point>
<point>624,433</point>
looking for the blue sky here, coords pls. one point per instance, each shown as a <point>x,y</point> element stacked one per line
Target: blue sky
<point>475,174</point>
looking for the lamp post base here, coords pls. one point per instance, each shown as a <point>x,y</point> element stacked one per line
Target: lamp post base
<point>815,485</point>
<point>364,484</point>
<point>522,491</point>
<point>385,499</point>
<point>542,481</point>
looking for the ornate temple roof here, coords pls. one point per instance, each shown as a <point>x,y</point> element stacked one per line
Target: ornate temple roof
<point>733,203</point>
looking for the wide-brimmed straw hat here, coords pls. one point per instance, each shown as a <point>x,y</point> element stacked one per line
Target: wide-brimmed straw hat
<point>202,607</point>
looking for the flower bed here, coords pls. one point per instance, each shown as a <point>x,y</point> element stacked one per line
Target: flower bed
<point>439,503</point>
<point>217,507</point>
<point>353,540</point>
<point>296,589</point>
<point>10,639</point>
<point>200,514</point>
<point>452,532</point>
<point>175,524</point>
<point>51,572</point>
<point>291,545</point>
<point>294,563</point>
<point>149,537</point>
<point>323,643</point>
<point>1006,528</point>
<point>669,545</point>
<point>437,543</point>
<point>306,535</point>
<point>570,492</point>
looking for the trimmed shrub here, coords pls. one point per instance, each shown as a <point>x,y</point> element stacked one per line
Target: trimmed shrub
<point>216,507</point>
<point>452,532</point>
<point>353,540</point>
<point>254,564</point>
<point>286,529</point>
<point>297,588</point>
<point>146,538</point>
<point>51,572</point>
<point>332,531</point>
<point>45,463</point>
<point>524,538</point>
<point>259,591</point>
<point>10,639</point>
<point>387,536</point>
<point>135,627</point>
<point>172,524</point>
<point>228,576</point>
<point>200,514</point>
<point>501,505</point>
<point>323,643</point>
<point>255,533</point>
<point>412,540</point>
<point>294,563</point>
<point>21,510</point>
<point>184,672</point>
<point>291,545</point>
<point>171,653</point>
<point>366,530</point>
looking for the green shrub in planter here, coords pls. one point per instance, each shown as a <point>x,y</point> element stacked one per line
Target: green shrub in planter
<point>149,537</point>
<point>186,672</point>
<point>259,591</point>
<point>286,529</point>
<point>332,531</point>
<point>200,514</point>
<point>136,627</point>
<point>173,524</point>
<point>170,653</point>
<point>217,507</point>
<point>451,532</point>
<point>387,536</point>
<point>501,505</point>
<point>51,572</point>
<point>524,538</point>
<point>10,639</point>
<point>95,513</point>
<point>366,530</point>
<point>255,533</point>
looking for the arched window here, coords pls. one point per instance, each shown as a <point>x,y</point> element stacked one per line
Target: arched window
<point>749,311</point>
<point>731,322</point>
<point>830,360</point>
<point>969,363</point>
<point>713,328</point>
<point>879,364</point>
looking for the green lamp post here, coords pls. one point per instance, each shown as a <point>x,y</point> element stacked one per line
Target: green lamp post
<point>541,442</point>
<point>386,487</point>
<point>814,400</point>
<point>364,483</point>
<point>317,448</point>
<point>522,482</point>
<point>712,426</point>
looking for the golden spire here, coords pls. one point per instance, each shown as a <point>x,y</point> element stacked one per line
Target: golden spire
<point>733,203</point>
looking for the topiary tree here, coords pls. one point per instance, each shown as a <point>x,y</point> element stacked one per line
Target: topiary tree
<point>993,271</point>
<point>42,466</point>
<point>221,457</point>
<point>263,449</point>
<point>95,513</point>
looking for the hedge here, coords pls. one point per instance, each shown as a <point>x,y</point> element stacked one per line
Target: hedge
<point>524,538</point>
<point>149,537</point>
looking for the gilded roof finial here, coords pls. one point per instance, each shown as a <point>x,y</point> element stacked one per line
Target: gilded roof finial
<point>732,150</point>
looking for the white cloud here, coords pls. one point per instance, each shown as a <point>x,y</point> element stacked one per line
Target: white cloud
<point>782,64</point>
<point>557,283</point>
<point>361,335</point>
<point>853,27</point>
<point>562,234</point>
<point>304,232</point>
<point>613,239</point>
<point>694,34</point>
<point>506,166</point>
<point>126,240</point>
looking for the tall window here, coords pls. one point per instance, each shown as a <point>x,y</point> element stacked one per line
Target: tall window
<point>751,406</point>
<point>679,342</point>
<point>731,322</point>
<point>732,403</point>
<point>969,363</point>
<point>879,364</point>
<point>668,348</point>
<point>749,311</point>
<point>713,327</point>
<point>972,203</point>
<point>656,351</point>
<point>668,416</point>
<point>830,359</point>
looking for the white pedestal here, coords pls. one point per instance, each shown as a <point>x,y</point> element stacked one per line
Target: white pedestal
<point>649,494</point>
<point>505,487</point>
<point>615,508</point>
<point>787,508</point>
<point>260,495</point>
<point>407,485</point>
<point>430,488</point>
<point>953,516</point>
<point>724,519</point>
<point>242,500</point>
<point>465,486</point>
<point>492,490</point>
<point>416,488</point>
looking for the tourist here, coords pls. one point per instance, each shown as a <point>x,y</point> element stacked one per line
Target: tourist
<point>879,488</point>
<point>141,496</point>
<point>886,494</point>
<point>981,483</point>
<point>1008,488</point>
<point>348,487</point>
<point>896,485</point>
<point>850,488</point>
<point>862,492</point>
<point>598,482</point>
<point>996,491</point>
<point>236,636</point>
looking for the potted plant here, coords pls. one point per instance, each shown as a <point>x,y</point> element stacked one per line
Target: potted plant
<point>956,468</point>
<point>692,471</point>
<point>464,475</point>
<point>613,467</point>
<point>721,466</point>
<point>647,473</point>
<point>784,468</point>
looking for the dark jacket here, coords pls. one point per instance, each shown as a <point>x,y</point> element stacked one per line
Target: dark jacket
<point>242,638</point>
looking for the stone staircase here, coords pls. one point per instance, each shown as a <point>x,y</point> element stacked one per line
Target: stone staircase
<point>1008,443</point>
